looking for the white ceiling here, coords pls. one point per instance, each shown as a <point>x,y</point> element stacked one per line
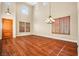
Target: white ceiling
<point>32,3</point>
<point>35,3</point>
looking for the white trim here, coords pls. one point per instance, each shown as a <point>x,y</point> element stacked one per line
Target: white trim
<point>78,50</point>
<point>23,34</point>
<point>57,38</point>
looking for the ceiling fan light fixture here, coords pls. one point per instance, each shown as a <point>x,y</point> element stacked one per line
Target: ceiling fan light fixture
<point>50,19</point>
<point>8,12</point>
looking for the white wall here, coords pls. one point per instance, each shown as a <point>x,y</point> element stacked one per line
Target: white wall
<point>12,16</point>
<point>16,15</point>
<point>38,26</point>
<point>23,17</point>
<point>0,23</point>
<point>78,28</point>
<point>58,10</point>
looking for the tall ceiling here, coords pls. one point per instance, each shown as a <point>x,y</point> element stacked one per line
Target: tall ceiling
<point>32,3</point>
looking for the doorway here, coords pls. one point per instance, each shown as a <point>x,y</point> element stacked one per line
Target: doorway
<point>7,28</point>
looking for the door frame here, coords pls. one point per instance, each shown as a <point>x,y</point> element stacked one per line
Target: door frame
<point>2,25</point>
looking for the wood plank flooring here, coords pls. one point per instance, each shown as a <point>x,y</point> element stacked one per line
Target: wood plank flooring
<point>37,46</point>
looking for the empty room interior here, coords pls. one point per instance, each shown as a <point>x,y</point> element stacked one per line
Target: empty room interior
<point>39,28</point>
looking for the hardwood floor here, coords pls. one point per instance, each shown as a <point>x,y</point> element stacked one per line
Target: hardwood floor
<point>37,46</point>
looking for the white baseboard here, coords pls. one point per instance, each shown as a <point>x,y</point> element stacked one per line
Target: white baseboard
<point>23,34</point>
<point>46,36</point>
<point>57,38</point>
<point>78,50</point>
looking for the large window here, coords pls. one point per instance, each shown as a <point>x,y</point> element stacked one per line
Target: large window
<point>24,27</point>
<point>61,25</point>
<point>21,26</point>
<point>25,10</point>
<point>27,27</point>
